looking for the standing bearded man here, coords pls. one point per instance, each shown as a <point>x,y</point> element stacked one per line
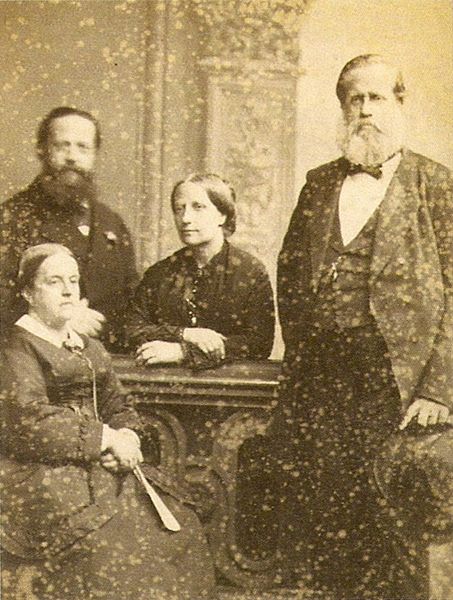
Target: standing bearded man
<point>365,300</point>
<point>60,206</point>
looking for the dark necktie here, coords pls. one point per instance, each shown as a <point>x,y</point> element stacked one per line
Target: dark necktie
<point>374,171</point>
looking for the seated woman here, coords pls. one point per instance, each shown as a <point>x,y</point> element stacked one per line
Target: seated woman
<point>70,449</point>
<point>210,301</point>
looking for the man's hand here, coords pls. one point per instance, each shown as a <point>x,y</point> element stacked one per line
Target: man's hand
<point>207,340</point>
<point>158,352</point>
<point>427,412</point>
<point>87,321</point>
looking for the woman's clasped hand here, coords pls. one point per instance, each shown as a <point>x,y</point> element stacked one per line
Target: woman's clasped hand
<point>158,351</point>
<point>207,340</point>
<point>120,449</point>
<point>210,302</point>
<point>74,496</point>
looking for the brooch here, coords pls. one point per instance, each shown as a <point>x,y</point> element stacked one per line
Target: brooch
<point>84,230</point>
<point>111,237</point>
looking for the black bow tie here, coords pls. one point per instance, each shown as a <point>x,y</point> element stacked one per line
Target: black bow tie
<point>374,171</point>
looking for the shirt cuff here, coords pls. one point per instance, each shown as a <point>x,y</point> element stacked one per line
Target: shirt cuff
<point>107,437</point>
<point>131,433</point>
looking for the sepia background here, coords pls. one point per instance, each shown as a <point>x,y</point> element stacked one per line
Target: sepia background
<point>245,89</point>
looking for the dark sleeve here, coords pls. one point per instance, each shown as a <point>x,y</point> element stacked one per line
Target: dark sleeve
<point>257,321</point>
<point>116,409</point>
<point>255,326</point>
<point>115,313</point>
<point>437,379</point>
<point>10,247</point>
<point>292,257</point>
<point>33,428</point>
<point>128,254</point>
<point>142,322</point>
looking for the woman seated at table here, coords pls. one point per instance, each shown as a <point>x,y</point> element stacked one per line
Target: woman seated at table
<point>209,301</point>
<point>71,502</point>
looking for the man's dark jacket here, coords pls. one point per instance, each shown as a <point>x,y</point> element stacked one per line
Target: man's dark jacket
<point>411,281</point>
<point>106,257</point>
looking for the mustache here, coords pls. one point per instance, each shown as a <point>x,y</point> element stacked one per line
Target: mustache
<point>53,172</point>
<point>69,170</point>
<point>358,126</point>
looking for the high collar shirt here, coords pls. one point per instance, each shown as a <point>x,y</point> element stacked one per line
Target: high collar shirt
<point>361,194</point>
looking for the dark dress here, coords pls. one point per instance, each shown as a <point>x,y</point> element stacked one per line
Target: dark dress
<point>94,533</point>
<point>231,295</point>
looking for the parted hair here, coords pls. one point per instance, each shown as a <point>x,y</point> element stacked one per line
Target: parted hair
<point>219,192</point>
<point>33,258</point>
<point>399,89</point>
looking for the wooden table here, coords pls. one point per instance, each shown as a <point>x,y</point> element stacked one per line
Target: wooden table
<point>212,426</point>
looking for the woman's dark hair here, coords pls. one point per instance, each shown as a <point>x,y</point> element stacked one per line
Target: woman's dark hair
<point>33,258</point>
<point>219,192</point>
<point>399,89</point>
<point>42,135</point>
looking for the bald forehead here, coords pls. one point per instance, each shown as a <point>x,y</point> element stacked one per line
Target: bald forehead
<point>69,127</point>
<point>378,77</point>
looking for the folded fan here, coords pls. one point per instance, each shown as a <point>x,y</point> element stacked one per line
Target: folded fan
<point>164,513</point>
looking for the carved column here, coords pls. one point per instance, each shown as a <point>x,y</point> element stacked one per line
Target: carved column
<point>148,213</point>
<point>251,65</point>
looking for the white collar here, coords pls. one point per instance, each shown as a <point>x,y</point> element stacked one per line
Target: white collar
<point>37,328</point>
<point>391,164</point>
<point>388,169</point>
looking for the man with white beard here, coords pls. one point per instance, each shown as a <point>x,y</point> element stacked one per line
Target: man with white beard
<point>365,303</point>
<point>61,206</point>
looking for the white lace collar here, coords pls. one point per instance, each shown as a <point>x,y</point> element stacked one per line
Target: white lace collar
<point>37,328</point>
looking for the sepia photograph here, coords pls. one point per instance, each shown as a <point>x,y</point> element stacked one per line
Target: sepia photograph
<point>226,311</point>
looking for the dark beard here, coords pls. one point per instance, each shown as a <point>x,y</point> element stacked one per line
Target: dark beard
<point>69,187</point>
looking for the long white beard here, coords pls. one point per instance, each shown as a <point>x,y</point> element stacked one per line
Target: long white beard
<point>365,144</point>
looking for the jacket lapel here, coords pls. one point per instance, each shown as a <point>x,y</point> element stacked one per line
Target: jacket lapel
<point>397,214</point>
<point>322,219</point>
<point>61,230</point>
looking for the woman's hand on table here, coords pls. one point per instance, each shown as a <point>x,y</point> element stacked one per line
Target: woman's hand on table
<point>159,352</point>
<point>207,340</point>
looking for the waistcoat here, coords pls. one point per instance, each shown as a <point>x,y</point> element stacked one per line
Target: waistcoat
<point>343,294</point>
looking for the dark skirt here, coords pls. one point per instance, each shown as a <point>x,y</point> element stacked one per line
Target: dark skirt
<point>339,402</point>
<point>131,556</point>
